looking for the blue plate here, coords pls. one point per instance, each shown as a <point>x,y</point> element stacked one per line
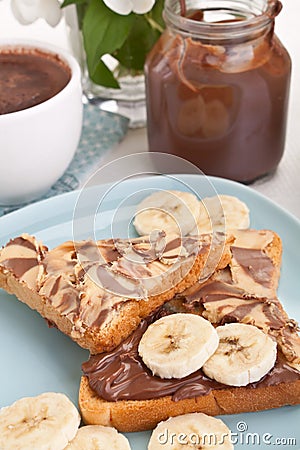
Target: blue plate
<point>35,358</point>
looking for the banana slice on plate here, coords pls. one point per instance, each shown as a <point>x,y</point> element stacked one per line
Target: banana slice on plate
<point>178,345</point>
<point>170,211</point>
<point>46,422</point>
<point>222,213</point>
<point>98,437</point>
<point>244,355</point>
<point>195,430</point>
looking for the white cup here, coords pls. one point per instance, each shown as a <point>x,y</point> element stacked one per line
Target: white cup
<point>38,143</point>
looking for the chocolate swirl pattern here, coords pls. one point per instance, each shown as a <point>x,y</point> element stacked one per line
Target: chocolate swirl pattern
<point>122,375</point>
<point>23,256</point>
<point>83,287</point>
<point>227,296</point>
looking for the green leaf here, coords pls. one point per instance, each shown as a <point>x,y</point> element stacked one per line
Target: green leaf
<point>71,2</point>
<point>103,76</point>
<point>104,31</point>
<point>156,13</point>
<point>139,42</point>
<point>81,10</point>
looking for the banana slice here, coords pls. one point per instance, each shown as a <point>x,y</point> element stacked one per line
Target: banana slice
<point>244,355</point>
<point>195,430</point>
<point>222,213</point>
<point>97,437</point>
<point>46,422</point>
<point>170,211</point>
<point>178,345</point>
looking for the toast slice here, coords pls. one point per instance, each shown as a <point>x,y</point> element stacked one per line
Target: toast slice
<point>117,388</point>
<point>98,292</point>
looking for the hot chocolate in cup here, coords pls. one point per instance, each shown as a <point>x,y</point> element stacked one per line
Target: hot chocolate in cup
<point>40,117</point>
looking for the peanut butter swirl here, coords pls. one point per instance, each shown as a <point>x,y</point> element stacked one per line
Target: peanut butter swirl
<point>88,281</point>
<point>246,292</point>
<point>23,256</point>
<point>227,296</point>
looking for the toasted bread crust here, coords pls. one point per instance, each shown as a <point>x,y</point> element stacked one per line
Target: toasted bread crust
<point>274,251</point>
<point>124,321</point>
<point>140,415</point>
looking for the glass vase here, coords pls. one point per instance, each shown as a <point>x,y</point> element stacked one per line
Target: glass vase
<point>129,100</point>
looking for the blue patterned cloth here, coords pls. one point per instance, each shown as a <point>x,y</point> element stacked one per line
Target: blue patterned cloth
<point>101,132</point>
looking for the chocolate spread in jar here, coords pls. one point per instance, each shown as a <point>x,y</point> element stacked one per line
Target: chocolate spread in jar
<point>219,103</point>
<point>29,77</point>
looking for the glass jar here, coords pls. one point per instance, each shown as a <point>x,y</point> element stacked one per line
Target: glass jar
<point>217,87</point>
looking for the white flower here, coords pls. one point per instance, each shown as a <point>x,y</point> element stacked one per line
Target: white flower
<point>125,7</point>
<point>28,11</point>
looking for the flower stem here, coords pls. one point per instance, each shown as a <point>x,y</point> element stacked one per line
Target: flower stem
<point>154,24</point>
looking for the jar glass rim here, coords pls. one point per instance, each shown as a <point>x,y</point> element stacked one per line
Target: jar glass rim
<point>256,21</point>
